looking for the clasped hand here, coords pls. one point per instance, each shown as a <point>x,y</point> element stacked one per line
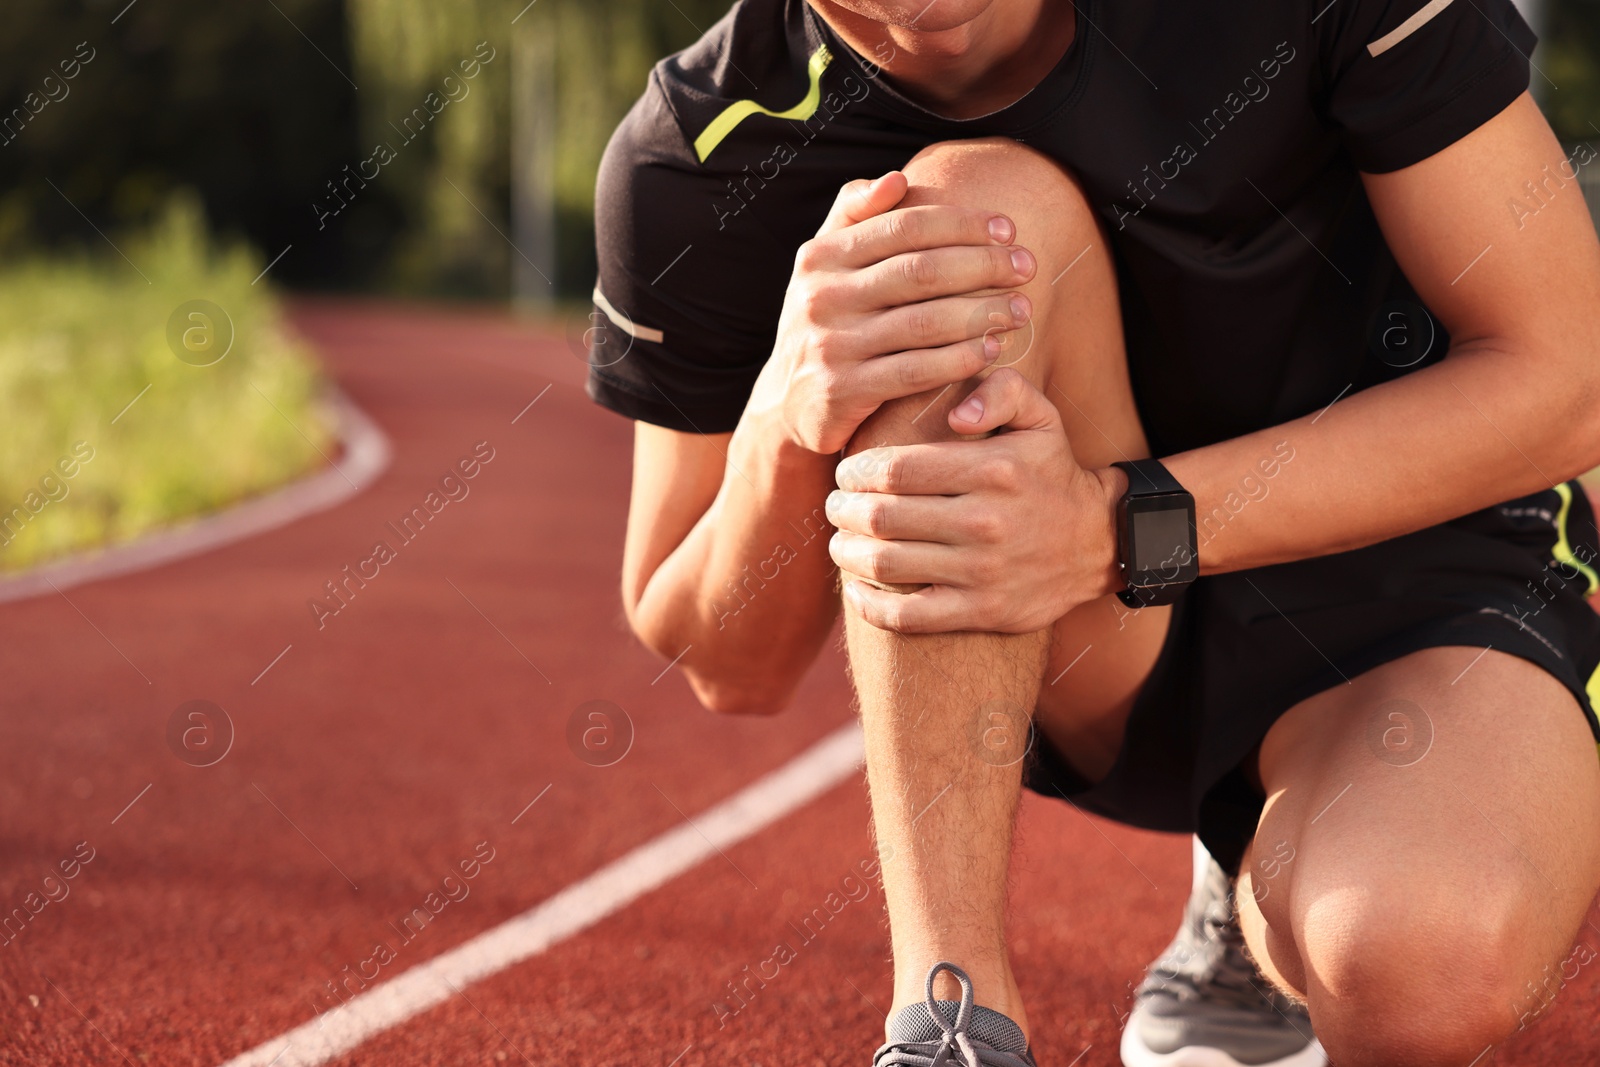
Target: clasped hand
<point>1004,534</point>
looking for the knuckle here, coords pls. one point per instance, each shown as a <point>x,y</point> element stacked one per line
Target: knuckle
<point>829,387</point>
<point>973,358</point>
<point>917,270</point>
<point>921,323</point>
<point>892,473</point>
<point>911,376</point>
<point>850,474</point>
<point>1000,266</point>
<point>1002,472</point>
<point>984,527</point>
<point>822,345</point>
<point>913,227</point>
<point>854,472</point>
<point>875,476</point>
<point>854,243</point>
<point>812,300</point>
<point>896,228</point>
<point>808,257</point>
<point>876,519</point>
<point>805,382</point>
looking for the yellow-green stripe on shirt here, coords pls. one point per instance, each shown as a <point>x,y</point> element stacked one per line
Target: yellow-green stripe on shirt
<point>740,110</point>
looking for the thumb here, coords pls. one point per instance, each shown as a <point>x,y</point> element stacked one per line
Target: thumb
<point>861,200</point>
<point>1004,399</point>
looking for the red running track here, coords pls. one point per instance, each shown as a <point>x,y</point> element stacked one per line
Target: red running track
<point>382,748</point>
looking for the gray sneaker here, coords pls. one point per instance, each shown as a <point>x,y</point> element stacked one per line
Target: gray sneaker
<point>935,1033</point>
<point>1204,1004</point>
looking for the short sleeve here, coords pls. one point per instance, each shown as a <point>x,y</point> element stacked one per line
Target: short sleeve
<point>1407,78</point>
<point>684,313</point>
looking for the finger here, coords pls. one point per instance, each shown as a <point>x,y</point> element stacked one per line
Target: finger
<point>889,377</point>
<point>945,321</point>
<point>916,229</point>
<point>862,199</point>
<point>954,270</point>
<point>1005,398</point>
<point>933,609</point>
<point>894,562</point>
<point>937,519</point>
<point>945,468</point>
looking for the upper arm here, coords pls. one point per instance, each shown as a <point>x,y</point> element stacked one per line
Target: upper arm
<point>1495,257</point>
<point>676,477</point>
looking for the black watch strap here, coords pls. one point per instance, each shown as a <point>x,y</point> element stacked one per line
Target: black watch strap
<point>1152,596</point>
<point>1148,477</point>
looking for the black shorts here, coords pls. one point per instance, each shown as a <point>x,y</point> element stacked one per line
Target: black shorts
<point>1245,647</point>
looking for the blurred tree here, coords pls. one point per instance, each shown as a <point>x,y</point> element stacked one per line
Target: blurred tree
<point>1569,55</point>
<point>248,103</point>
<point>456,189</point>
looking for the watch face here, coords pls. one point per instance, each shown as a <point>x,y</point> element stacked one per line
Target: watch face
<point>1162,535</point>
<point>1161,540</point>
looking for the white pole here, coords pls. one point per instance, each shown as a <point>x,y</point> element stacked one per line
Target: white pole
<point>533,121</point>
<point>1535,13</point>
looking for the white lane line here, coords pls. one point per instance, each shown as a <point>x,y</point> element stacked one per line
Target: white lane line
<point>572,910</point>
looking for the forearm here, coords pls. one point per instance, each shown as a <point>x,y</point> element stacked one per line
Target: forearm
<point>749,592</point>
<point>1487,424</point>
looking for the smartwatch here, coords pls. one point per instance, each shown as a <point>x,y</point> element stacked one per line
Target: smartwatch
<point>1156,539</point>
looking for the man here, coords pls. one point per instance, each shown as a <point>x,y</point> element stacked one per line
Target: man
<point>1050,275</point>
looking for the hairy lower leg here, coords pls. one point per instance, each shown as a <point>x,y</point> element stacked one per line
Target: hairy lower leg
<point>946,716</point>
<point>944,789</point>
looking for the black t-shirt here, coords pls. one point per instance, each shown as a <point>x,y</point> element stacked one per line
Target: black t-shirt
<point>1220,143</point>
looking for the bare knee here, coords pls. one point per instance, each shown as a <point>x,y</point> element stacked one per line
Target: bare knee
<point>1072,346</point>
<point>1394,977</point>
<point>1000,174</point>
<point>1051,216</point>
<point>1054,221</point>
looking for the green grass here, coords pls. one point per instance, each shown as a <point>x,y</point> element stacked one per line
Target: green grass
<point>81,338</point>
